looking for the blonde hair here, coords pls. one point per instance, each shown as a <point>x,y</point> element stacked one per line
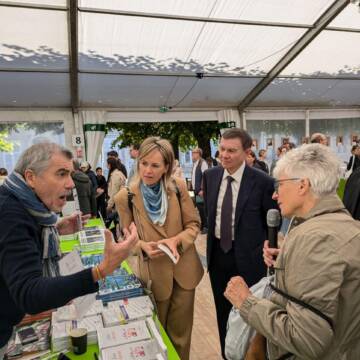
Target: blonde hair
<point>164,147</point>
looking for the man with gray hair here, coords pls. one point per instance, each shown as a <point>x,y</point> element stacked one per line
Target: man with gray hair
<point>30,199</point>
<point>313,312</point>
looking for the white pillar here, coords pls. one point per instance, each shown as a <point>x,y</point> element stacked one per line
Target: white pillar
<point>307,123</point>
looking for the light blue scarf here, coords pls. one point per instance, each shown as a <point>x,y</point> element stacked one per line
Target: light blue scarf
<point>17,186</point>
<point>155,202</point>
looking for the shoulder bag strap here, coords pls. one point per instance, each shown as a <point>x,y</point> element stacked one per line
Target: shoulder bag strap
<point>304,304</point>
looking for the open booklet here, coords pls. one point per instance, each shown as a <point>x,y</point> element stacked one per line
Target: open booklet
<point>168,252</point>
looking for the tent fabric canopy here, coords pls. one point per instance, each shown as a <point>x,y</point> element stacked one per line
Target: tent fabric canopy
<point>180,54</point>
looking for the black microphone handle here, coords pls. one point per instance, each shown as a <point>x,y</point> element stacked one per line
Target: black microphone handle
<point>273,236</point>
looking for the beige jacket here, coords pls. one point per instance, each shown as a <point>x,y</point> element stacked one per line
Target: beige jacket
<point>180,220</point>
<point>319,264</point>
<point>116,182</point>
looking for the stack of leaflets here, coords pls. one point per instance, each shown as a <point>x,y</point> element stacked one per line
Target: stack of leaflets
<point>136,340</point>
<point>68,312</point>
<point>92,239</point>
<point>60,331</point>
<point>127,310</point>
<point>144,350</point>
<point>155,333</point>
<point>29,319</point>
<point>33,339</point>
<point>123,334</point>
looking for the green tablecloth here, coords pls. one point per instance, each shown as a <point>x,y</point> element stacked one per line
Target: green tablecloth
<point>341,188</point>
<point>68,246</point>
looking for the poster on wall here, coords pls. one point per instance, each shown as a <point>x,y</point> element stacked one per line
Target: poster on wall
<point>339,140</point>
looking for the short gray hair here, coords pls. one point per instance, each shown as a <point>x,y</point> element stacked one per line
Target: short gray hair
<point>37,157</point>
<point>314,162</point>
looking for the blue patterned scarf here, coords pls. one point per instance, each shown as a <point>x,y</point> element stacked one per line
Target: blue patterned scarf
<point>17,186</point>
<point>155,201</point>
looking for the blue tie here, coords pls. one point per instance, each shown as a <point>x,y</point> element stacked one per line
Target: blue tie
<point>226,218</point>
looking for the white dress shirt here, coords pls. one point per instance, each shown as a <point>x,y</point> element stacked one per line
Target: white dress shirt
<point>204,167</point>
<point>235,186</point>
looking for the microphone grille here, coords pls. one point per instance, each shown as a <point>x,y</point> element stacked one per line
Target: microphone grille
<point>273,218</point>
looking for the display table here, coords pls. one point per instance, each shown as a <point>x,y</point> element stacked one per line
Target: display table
<point>67,246</point>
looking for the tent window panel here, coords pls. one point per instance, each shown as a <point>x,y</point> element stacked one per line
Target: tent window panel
<point>270,134</point>
<point>342,133</point>
<point>15,138</point>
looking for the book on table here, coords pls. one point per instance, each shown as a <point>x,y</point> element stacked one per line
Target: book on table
<point>127,310</point>
<point>123,334</point>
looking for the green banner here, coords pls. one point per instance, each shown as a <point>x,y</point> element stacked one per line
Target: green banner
<point>227,125</point>
<point>94,127</point>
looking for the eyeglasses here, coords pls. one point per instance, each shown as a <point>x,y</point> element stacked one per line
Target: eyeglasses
<point>278,182</point>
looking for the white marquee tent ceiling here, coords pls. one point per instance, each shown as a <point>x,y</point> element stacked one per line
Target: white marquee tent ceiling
<point>146,53</point>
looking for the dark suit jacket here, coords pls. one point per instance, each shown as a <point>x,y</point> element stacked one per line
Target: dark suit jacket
<point>351,196</point>
<point>253,202</point>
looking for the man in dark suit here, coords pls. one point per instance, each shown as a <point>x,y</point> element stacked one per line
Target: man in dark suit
<point>236,198</point>
<point>199,166</point>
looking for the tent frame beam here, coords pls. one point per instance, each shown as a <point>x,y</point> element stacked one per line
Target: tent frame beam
<point>210,20</point>
<point>192,18</point>
<point>73,53</point>
<point>172,74</point>
<point>33,6</point>
<point>175,17</point>
<point>320,24</point>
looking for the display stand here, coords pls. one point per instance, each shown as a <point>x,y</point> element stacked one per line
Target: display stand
<point>67,246</point>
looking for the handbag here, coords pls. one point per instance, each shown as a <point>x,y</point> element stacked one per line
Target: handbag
<point>242,342</point>
<point>239,334</point>
<point>349,172</point>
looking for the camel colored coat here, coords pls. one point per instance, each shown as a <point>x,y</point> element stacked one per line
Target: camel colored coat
<point>182,221</point>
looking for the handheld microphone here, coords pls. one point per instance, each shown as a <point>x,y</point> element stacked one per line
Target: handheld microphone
<point>273,223</point>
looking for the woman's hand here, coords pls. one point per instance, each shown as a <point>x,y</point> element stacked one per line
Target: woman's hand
<point>72,224</point>
<point>269,254</point>
<point>151,250</point>
<point>172,244</point>
<point>115,253</point>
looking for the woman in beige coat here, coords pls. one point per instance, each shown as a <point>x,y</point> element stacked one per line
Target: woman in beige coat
<point>164,214</point>
<point>116,180</point>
